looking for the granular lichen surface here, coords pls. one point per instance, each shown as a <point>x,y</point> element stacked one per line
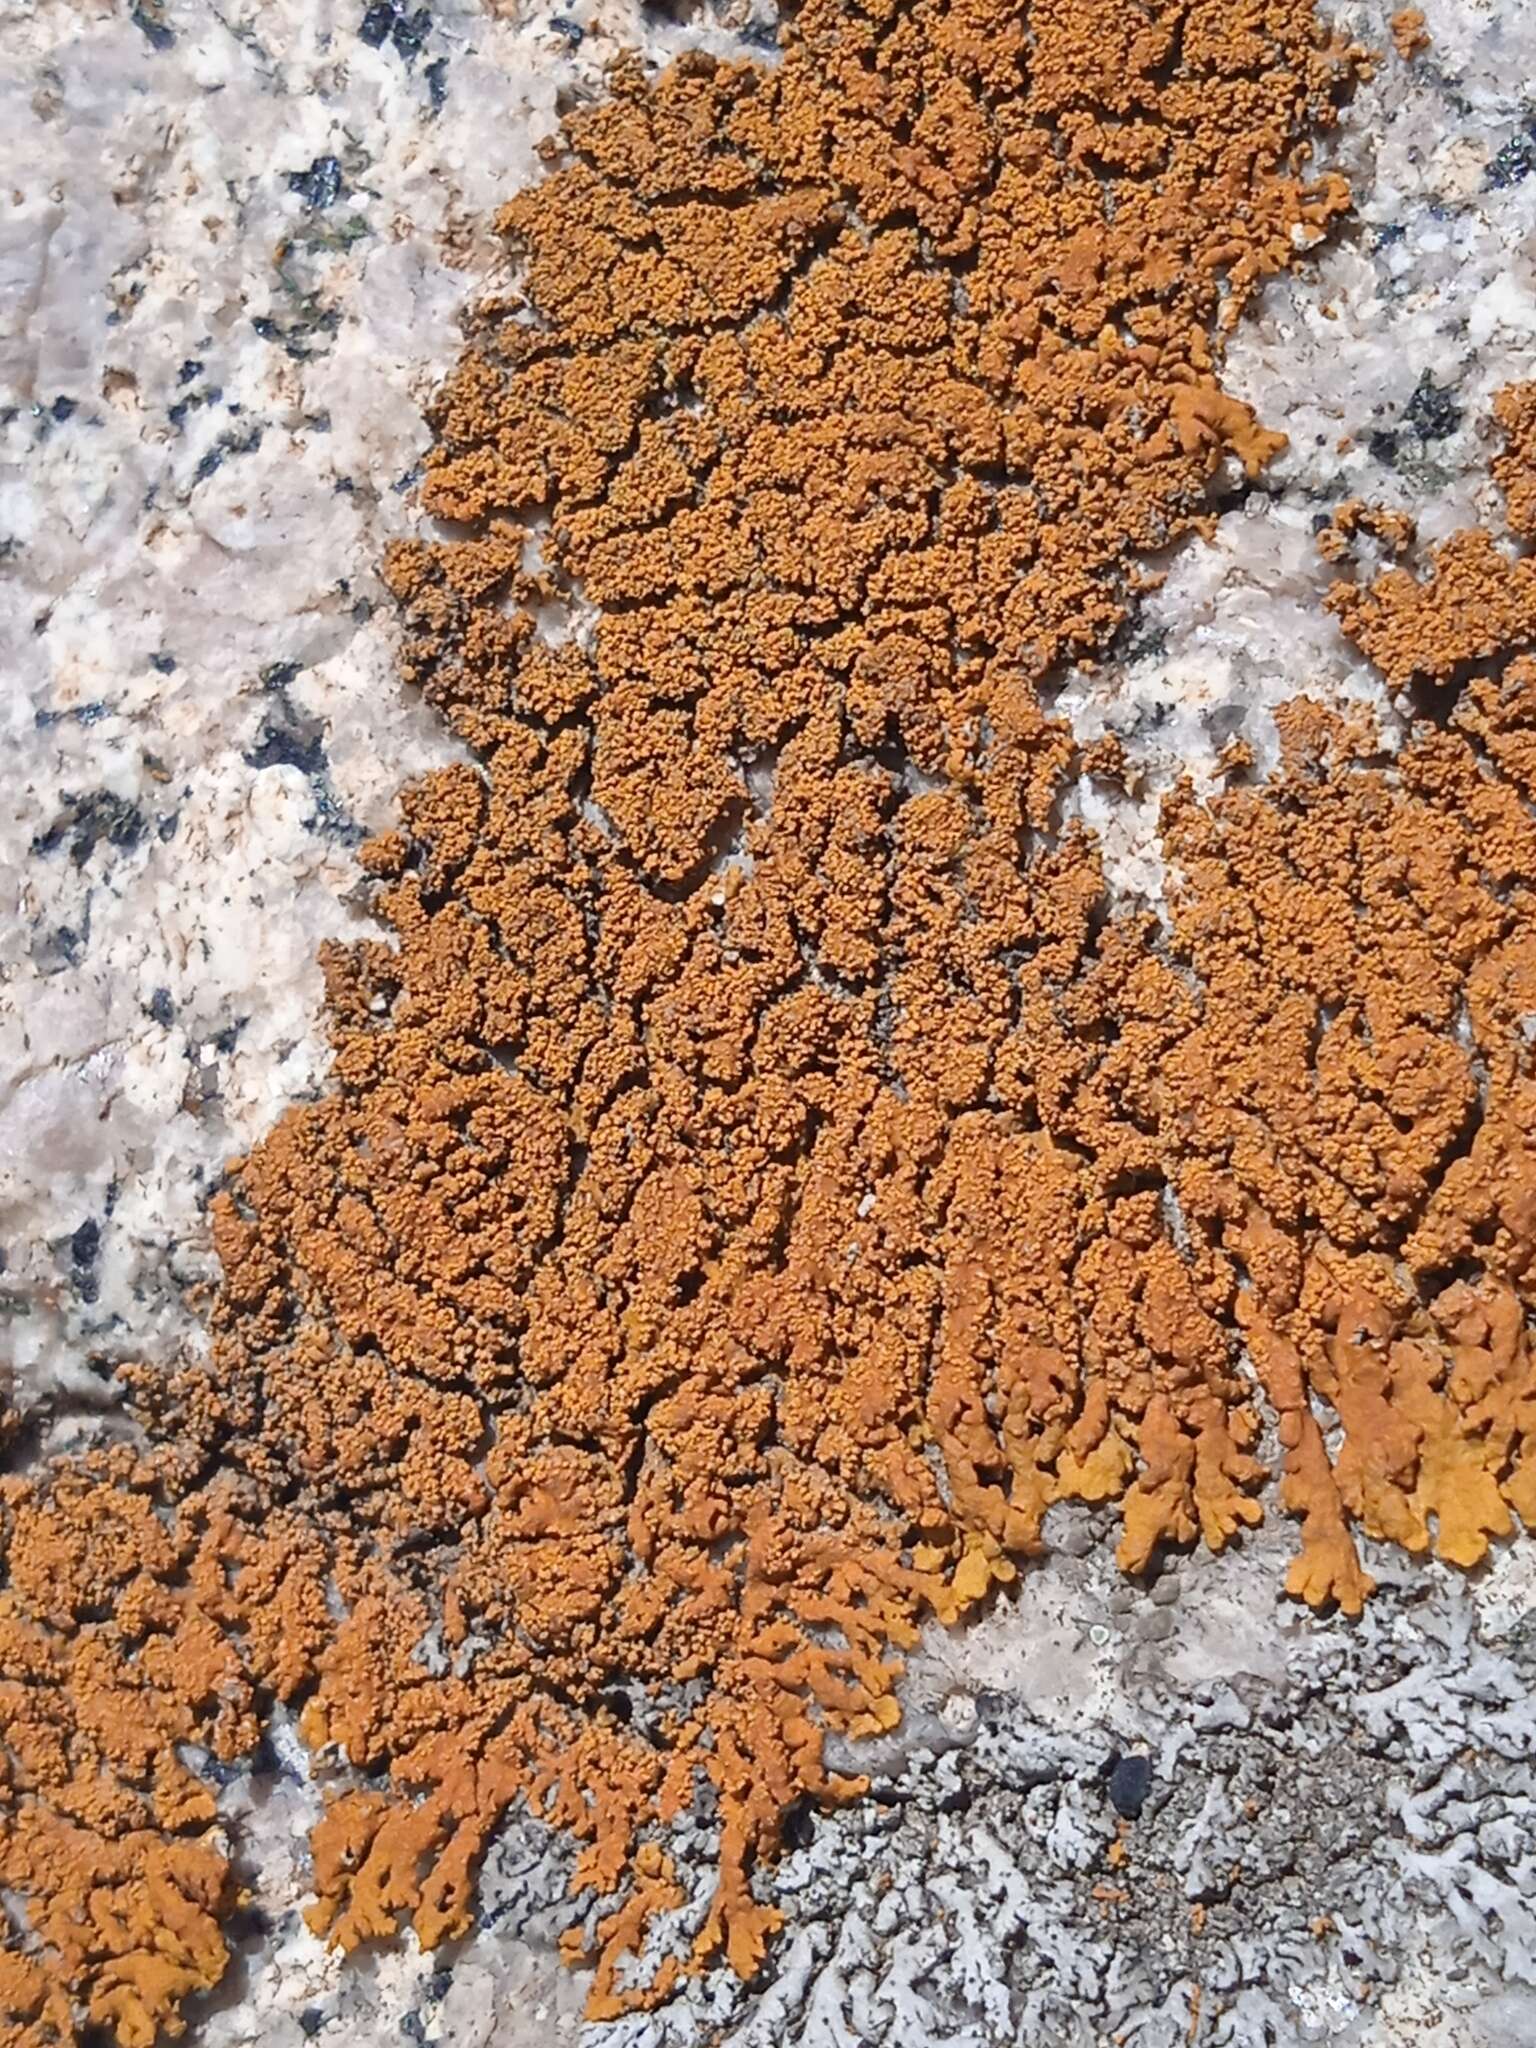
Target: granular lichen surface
<point>763,1171</point>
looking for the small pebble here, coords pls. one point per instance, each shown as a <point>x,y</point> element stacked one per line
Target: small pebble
<point>959,1713</point>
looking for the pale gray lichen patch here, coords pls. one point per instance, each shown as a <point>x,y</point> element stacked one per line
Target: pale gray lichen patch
<point>1327,1805</point>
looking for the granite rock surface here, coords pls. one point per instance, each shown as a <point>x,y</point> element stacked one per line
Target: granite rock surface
<point>235,245</point>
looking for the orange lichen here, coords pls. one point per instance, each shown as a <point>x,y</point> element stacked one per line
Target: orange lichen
<point>761,1176</point>
<point>127,1633</point>
<point>1409,35</point>
<point>1515,469</point>
<point>1393,531</point>
<point>1353,1097</point>
<point>1475,604</point>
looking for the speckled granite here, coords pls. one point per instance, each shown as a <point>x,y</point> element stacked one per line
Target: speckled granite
<point>234,249</point>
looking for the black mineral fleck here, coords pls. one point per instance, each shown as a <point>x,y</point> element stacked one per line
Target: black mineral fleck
<point>385,22</point>
<point>1431,412</point>
<point>320,186</point>
<point>147,19</point>
<point>1130,1781</point>
<point>85,821</point>
<point>1383,445</point>
<point>1513,163</point>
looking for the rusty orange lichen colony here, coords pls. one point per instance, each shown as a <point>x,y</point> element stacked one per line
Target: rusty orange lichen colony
<point>761,1173</point>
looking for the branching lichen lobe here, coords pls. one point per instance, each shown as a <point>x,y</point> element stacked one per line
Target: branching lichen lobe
<point>761,1175</point>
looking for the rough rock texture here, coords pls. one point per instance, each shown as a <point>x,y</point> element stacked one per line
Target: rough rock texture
<point>266,785</point>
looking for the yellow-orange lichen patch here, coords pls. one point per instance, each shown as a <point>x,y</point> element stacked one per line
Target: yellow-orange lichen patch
<point>1476,603</point>
<point>1366,950</point>
<point>761,1173</point>
<point>129,1632</point>
<point>1515,469</point>
<point>1409,35</point>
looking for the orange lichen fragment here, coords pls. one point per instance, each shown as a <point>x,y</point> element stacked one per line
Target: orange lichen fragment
<point>654,1890</point>
<point>1409,35</point>
<point>761,1176</point>
<point>125,1638</point>
<point>1514,470</point>
<point>1360,1085</point>
<point>1475,603</point>
<point>1392,529</point>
